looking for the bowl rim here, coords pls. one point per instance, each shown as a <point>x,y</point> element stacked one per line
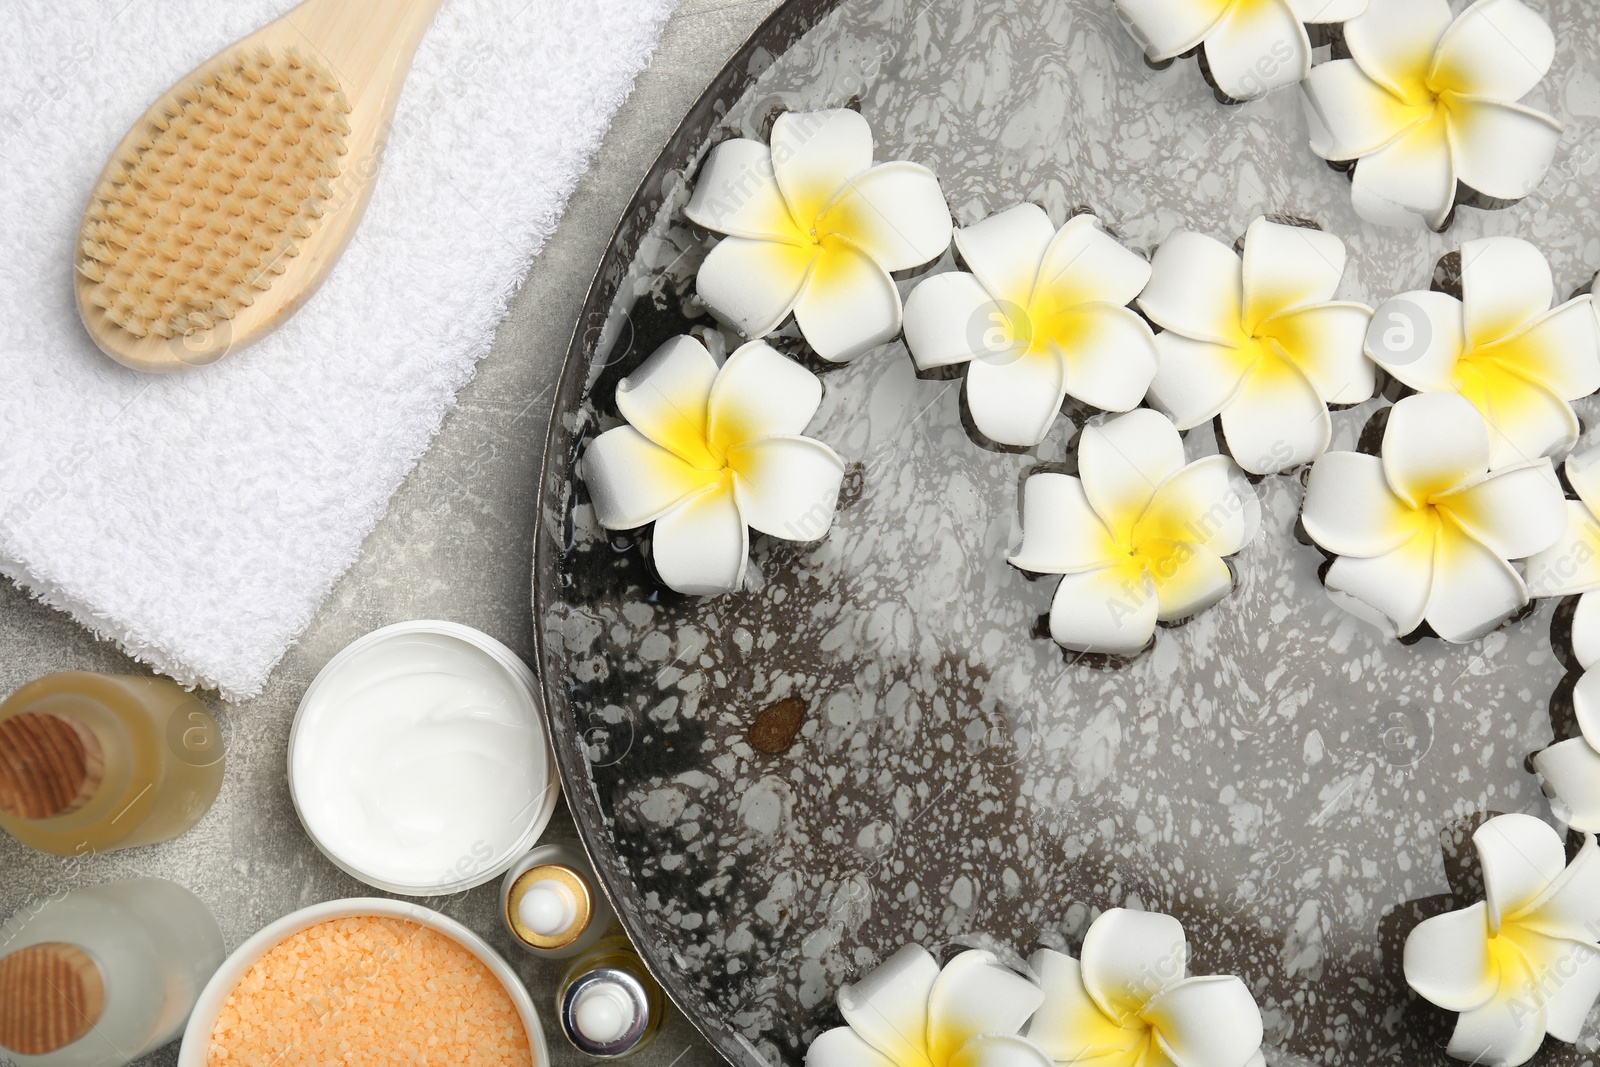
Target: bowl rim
<point>196,1047</point>
<point>526,683</point>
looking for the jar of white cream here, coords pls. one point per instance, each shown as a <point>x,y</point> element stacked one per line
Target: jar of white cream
<point>419,760</point>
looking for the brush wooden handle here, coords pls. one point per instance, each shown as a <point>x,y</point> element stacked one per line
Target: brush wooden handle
<point>50,765</point>
<point>51,995</point>
<point>365,48</point>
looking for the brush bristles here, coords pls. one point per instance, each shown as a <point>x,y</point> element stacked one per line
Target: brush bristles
<point>202,210</point>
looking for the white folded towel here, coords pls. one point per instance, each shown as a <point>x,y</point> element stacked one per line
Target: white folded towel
<point>198,520</point>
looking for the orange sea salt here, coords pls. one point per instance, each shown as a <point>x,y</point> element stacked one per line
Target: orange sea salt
<point>368,991</point>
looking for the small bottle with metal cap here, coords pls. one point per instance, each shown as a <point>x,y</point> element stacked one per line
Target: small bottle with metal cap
<point>551,904</point>
<point>608,1004</point>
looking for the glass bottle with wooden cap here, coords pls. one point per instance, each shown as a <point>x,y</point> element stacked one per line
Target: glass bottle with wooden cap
<point>94,762</point>
<point>551,904</point>
<point>103,975</point>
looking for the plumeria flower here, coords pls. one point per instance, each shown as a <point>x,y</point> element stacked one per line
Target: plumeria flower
<point>815,229</point>
<point>910,1013</point>
<point>1252,46</point>
<point>1138,537</point>
<point>1500,346</point>
<point>1425,102</point>
<point>1042,316</point>
<point>1571,768</point>
<point>1425,533</point>
<point>709,451</point>
<point>1259,340</point>
<point>1127,1002</point>
<point>1523,962</point>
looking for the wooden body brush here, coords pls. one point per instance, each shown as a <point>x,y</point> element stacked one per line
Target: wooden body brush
<point>232,197</point>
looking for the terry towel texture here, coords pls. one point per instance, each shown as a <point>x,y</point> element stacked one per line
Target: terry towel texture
<point>199,520</point>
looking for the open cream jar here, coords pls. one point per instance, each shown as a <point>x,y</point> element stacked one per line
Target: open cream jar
<point>419,760</point>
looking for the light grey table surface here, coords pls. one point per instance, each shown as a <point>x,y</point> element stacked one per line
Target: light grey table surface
<point>457,543</point>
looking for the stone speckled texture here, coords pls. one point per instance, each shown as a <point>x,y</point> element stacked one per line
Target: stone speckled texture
<point>456,544</point>
<point>1292,784</point>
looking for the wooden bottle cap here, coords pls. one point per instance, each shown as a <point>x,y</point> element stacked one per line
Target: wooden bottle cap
<point>50,765</point>
<point>51,994</point>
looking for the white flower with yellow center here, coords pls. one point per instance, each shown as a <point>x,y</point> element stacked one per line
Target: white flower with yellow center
<point>1251,46</point>
<point>1425,102</point>
<point>1138,537</point>
<point>815,229</point>
<point>1042,316</point>
<point>709,453</point>
<point>1127,1002</point>
<point>1426,532</point>
<point>910,1013</point>
<point>1524,962</point>
<point>1259,340</point>
<point>1500,346</point>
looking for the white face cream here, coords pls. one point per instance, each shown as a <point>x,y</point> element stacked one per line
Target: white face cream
<point>419,762</point>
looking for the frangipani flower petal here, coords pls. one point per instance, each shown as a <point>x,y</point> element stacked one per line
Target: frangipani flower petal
<point>1434,442</point>
<point>1447,959</point>
<point>1196,288</point>
<point>1111,611</point>
<point>815,154</point>
<point>1351,511</point>
<point>1196,379</point>
<point>1571,771</point>
<point>1525,419</point>
<point>1398,583</point>
<point>1006,249</point>
<point>737,193</point>
<point>1514,512</point>
<point>1170,29</point>
<point>1560,350</point>
<point>1205,504</point>
<point>1567,1006</point>
<point>889,1007</point>
<point>1522,857</point>
<point>1350,114</point>
<point>1206,1022</point>
<point>1583,474</point>
<point>753,284</point>
<point>1000,1050</point>
<point>1061,534</point>
<point>761,392</point>
<point>1586,632</point>
<point>1123,460</point>
<point>1069,1025</point>
<point>701,546</point>
<point>895,213</point>
<point>951,318</point>
<point>1327,10</point>
<point>1394,41</point>
<point>975,995</point>
<point>666,399</point>
<point>1237,44</point>
<point>634,481</point>
<point>1412,178</point>
<point>1506,284</point>
<point>1326,343</point>
<point>1570,908</point>
<point>1014,398</point>
<point>849,304</point>
<point>1418,337</point>
<point>1276,420</point>
<point>1112,357</point>
<point>1086,265</point>
<point>1288,267</point>
<point>1498,48</point>
<point>1586,701</point>
<point>1189,579</point>
<point>843,1047</point>
<point>1505,1032</point>
<point>787,485</point>
<point>1130,956</point>
<point>1474,590</point>
<point>1502,150</point>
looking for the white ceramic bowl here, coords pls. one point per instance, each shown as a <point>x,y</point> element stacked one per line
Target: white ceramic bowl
<point>524,682</point>
<point>197,1034</point>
